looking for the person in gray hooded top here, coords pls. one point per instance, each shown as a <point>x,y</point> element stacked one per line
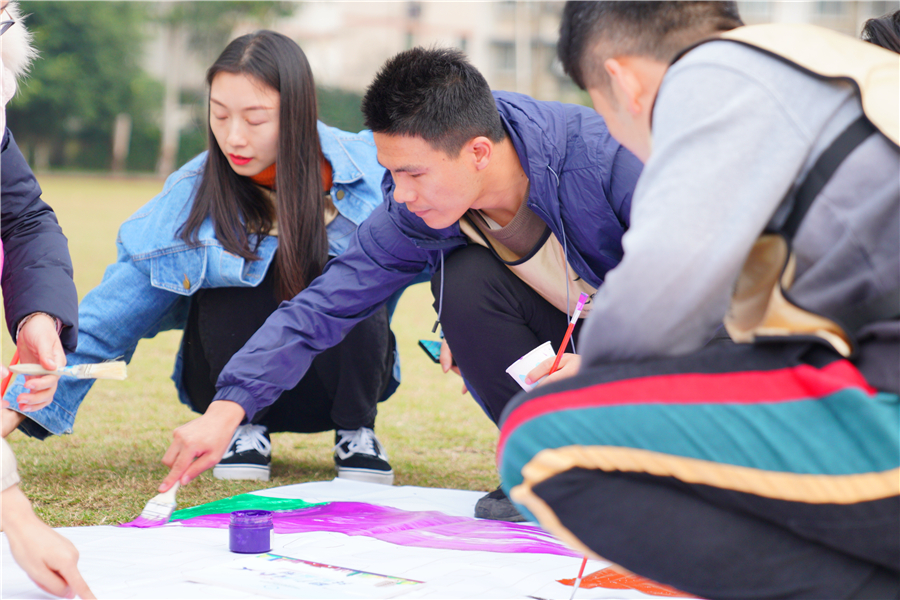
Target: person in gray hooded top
<point>770,469</point>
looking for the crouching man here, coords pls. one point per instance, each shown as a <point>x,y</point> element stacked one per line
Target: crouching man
<point>770,198</point>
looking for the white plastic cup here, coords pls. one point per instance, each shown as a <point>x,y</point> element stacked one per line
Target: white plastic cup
<point>520,369</point>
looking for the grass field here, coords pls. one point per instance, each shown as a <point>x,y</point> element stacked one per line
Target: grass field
<point>110,466</point>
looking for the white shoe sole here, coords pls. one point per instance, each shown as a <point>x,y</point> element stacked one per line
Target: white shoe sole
<point>259,473</point>
<point>366,475</point>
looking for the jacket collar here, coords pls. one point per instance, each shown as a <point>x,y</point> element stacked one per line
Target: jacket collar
<point>344,168</point>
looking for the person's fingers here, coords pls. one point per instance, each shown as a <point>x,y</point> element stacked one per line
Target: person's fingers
<point>465,390</point>
<point>446,357</point>
<point>172,452</point>
<point>29,402</point>
<point>59,355</point>
<point>49,581</point>
<point>40,382</point>
<point>556,376</point>
<point>568,367</point>
<point>45,347</point>
<point>47,358</point>
<point>540,370</point>
<point>176,471</point>
<point>201,464</point>
<point>176,458</point>
<point>40,394</point>
<point>76,582</point>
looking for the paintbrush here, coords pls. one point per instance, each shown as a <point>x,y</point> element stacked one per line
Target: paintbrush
<point>159,509</point>
<point>106,370</point>
<point>582,299</point>
<point>578,579</point>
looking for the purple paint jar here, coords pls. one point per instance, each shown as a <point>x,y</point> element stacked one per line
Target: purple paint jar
<point>249,531</point>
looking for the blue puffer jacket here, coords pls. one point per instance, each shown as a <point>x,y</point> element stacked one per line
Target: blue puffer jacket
<point>581,185</point>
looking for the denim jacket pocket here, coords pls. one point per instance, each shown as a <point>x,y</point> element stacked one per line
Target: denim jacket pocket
<point>231,270</point>
<point>340,232</point>
<point>180,271</point>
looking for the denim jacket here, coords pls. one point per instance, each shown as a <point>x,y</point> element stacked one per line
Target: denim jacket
<point>148,288</point>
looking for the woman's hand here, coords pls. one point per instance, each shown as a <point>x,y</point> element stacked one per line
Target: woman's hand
<point>201,443</point>
<point>447,363</point>
<point>568,366</point>
<point>38,343</point>
<point>47,557</point>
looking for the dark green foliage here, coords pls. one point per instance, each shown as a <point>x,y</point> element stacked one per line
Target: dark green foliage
<point>87,73</point>
<point>340,108</point>
<point>210,23</point>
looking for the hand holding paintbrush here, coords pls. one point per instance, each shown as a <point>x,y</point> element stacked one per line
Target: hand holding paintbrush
<point>38,342</point>
<point>570,362</point>
<point>106,370</point>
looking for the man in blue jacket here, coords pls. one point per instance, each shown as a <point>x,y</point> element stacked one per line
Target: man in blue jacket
<point>517,205</point>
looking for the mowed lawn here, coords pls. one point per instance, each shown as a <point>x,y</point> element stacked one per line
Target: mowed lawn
<point>110,466</point>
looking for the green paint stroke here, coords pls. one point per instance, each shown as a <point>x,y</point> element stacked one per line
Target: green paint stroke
<point>242,502</point>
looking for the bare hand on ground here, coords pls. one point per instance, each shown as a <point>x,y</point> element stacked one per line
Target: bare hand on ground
<point>47,557</point>
<point>38,343</point>
<point>447,362</point>
<point>568,366</point>
<point>201,443</point>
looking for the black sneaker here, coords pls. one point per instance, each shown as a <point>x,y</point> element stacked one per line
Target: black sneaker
<point>497,507</point>
<point>248,456</point>
<point>358,455</point>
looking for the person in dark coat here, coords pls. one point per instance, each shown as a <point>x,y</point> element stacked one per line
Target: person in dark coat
<point>39,296</point>
<point>41,308</point>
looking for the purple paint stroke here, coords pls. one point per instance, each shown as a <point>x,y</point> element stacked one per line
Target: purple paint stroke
<point>421,529</point>
<point>145,523</point>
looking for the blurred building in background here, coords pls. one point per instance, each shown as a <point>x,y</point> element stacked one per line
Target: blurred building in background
<point>513,43</point>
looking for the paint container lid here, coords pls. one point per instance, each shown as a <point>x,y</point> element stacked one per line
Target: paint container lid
<point>252,518</point>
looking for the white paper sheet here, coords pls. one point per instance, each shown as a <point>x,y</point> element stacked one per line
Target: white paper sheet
<point>160,563</point>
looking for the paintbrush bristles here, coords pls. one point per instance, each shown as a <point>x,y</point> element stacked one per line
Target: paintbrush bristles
<point>105,370</point>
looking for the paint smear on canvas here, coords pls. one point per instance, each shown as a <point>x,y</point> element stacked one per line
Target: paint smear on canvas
<point>143,523</point>
<point>226,506</point>
<point>242,502</point>
<point>613,579</point>
<point>423,529</point>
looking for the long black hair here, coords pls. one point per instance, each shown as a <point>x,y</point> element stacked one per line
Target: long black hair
<point>237,207</point>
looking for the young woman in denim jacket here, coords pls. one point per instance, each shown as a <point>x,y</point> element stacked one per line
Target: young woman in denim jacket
<point>230,237</point>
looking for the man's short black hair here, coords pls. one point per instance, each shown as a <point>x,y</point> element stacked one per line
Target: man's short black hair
<point>591,32</point>
<point>435,94</point>
<point>884,31</point>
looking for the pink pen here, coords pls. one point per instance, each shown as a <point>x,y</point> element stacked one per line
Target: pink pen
<point>582,299</point>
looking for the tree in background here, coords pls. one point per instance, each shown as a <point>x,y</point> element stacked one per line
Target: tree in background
<point>87,73</point>
<point>87,92</point>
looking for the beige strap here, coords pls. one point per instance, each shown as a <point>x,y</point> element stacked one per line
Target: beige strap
<point>874,70</point>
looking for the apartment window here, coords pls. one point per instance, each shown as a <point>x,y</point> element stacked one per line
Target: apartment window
<point>504,56</point>
<point>830,8</point>
<point>881,7</point>
<point>755,8</point>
